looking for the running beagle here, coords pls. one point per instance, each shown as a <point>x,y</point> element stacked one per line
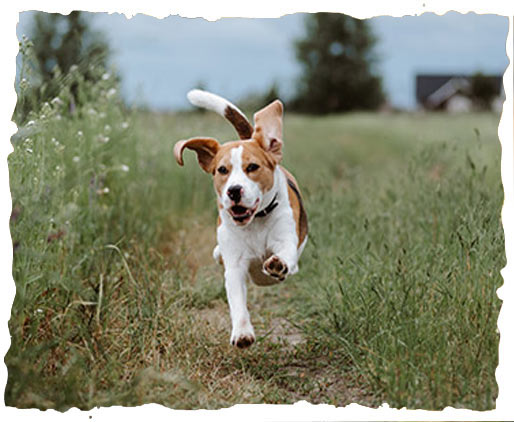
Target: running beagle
<point>262,224</point>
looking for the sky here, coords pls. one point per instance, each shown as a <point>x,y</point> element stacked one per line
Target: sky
<point>159,60</point>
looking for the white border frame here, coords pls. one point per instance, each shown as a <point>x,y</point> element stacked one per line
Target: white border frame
<point>213,10</point>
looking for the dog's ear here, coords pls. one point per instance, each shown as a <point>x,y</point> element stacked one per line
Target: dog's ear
<point>205,148</point>
<point>268,129</point>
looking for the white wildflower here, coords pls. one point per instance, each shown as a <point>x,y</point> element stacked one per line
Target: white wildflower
<point>103,191</point>
<point>91,111</point>
<point>124,125</point>
<point>106,76</point>
<point>31,123</point>
<point>76,159</point>
<point>103,139</point>
<point>29,150</point>
<point>107,128</point>
<point>46,110</point>
<point>57,145</point>
<point>102,115</point>
<point>124,168</point>
<point>73,68</point>
<point>111,93</point>
<point>80,134</point>
<point>56,101</point>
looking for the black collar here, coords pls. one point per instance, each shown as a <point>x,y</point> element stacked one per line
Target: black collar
<point>266,211</point>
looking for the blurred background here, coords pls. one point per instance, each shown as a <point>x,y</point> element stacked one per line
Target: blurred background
<point>317,63</point>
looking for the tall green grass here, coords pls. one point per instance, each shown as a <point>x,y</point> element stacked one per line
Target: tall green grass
<point>406,273</point>
<point>94,198</point>
<point>116,291</point>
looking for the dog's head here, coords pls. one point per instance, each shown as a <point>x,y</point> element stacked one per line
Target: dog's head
<point>244,170</point>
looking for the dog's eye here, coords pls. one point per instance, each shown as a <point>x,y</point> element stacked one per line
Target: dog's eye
<point>252,167</point>
<point>222,170</point>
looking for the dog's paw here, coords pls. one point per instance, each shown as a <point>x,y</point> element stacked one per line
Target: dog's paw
<point>275,267</point>
<point>242,338</point>
<point>243,341</point>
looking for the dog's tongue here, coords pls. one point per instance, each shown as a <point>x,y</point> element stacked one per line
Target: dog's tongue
<point>239,210</point>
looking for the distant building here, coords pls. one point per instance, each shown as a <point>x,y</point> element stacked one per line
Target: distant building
<point>453,92</point>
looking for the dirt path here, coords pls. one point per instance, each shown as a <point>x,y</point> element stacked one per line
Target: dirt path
<point>282,366</point>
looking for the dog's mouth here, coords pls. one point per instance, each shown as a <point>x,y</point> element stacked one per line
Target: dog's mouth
<point>242,215</point>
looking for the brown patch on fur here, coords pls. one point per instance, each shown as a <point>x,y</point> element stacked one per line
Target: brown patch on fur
<point>205,148</point>
<point>253,153</point>
<point>222,158</point>
<point>243,127</point>
<point>268,129</point>
<point>295,200</point>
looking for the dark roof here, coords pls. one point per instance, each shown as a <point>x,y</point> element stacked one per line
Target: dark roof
<point>427,84</point>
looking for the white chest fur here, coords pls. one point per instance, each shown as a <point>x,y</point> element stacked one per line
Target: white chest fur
<point>242,246</point>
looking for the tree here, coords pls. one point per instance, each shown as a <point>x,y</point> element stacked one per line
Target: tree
<point>60,43</point>
<point>64,41</point>
<point>337,59</point>
<point>483,90</point>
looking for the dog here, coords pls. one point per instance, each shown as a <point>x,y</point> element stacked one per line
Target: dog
<point>262,224</point>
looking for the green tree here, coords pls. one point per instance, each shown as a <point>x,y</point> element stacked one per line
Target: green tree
<point>60,44</point>
<point>337,60</point>
<point>64,41</point>
<point>483,90</point>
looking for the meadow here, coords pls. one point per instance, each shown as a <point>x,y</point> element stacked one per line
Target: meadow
<point>118,301</point>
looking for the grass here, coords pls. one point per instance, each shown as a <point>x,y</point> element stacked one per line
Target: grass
<point>118,300</point>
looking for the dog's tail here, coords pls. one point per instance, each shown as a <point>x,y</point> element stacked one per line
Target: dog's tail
<point>224,108</point>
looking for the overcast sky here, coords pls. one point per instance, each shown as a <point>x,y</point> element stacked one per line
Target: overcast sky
<point>161,59</point>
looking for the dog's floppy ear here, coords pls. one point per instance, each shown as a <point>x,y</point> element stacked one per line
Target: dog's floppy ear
<point>268,129</point>
<point>205,148</point>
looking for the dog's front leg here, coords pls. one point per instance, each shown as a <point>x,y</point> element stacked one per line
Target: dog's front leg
<point>235,285</point>
<point>283,261</point>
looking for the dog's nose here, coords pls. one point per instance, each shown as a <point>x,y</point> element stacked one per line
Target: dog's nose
<point>235,192</point>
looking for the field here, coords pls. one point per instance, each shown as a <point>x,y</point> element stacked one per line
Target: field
<point>119,302</point>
